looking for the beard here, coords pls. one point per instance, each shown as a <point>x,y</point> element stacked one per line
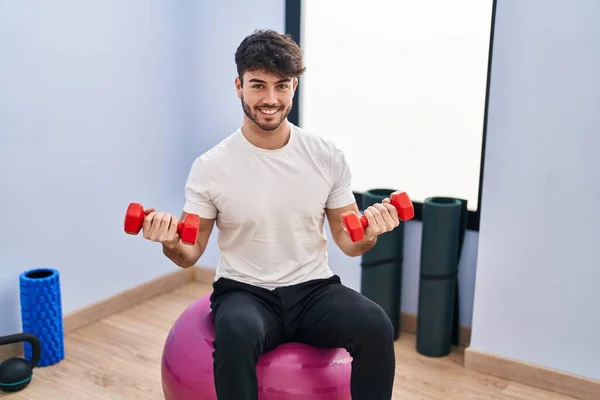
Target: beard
<point>254,115</point>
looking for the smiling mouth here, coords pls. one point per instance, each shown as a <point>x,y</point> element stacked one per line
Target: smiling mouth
<point>268,111</point>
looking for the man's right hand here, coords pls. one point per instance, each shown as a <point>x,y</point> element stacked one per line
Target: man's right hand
<point>162,228</point>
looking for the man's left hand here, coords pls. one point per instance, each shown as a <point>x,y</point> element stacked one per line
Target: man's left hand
<point>382,217</point>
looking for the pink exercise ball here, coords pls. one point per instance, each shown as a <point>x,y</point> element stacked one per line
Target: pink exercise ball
<point>292,371</point>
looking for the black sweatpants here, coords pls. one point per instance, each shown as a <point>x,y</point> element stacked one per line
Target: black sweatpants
<point>250,321</point>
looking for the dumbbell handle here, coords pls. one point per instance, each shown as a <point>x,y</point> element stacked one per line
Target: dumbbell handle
<point>364,221</point>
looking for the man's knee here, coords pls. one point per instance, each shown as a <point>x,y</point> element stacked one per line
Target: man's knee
<point>372,325</point>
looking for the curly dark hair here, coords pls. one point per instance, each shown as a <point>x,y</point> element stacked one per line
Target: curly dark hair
<point>269,51</point>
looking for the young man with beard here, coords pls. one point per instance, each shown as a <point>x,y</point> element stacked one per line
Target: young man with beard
<point>269,187</point>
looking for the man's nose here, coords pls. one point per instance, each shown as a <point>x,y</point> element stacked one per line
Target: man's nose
<point>270,96</point>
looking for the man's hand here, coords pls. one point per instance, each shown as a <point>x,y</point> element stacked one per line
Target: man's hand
<point>162,228</point>
<point>382,217</point>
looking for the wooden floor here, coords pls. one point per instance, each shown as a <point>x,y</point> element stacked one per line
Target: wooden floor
<point>119,358</point>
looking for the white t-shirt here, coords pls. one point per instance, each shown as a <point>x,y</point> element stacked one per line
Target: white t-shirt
<point>270,206</point>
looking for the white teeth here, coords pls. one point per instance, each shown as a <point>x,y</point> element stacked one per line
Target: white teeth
<point>268,111</point>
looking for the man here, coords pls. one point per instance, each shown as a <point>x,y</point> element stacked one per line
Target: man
<point>268,187</point>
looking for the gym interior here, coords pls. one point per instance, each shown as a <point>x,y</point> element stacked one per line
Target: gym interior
<point>484,111</point>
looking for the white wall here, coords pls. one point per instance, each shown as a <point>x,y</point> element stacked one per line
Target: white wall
<point>94,113</point>
<point>537,294</point>
<point>103,104</point>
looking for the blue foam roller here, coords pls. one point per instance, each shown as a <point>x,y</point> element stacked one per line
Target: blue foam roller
<point>41,313</point>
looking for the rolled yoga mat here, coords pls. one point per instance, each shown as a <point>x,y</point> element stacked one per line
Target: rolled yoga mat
<point>381,272</point>
<point>444,225</point>
<point>41,313</point>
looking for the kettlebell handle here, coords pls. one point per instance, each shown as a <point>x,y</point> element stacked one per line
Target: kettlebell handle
<point>25,337</point>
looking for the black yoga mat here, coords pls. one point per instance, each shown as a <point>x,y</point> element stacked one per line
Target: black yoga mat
<point>444,225</point>
<point>381,272</point>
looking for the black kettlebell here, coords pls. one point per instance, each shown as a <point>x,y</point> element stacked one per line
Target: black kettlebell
<point>16,372</point>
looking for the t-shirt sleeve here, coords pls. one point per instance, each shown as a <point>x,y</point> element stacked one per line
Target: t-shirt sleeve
<point>197,192</point>
<point>341,193</point>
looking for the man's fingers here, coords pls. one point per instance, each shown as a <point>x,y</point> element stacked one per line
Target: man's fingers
<point>165,223</point>
<point>386,220</point>
<point>154,230</point>
<point>393,214</point>
<point>160,227</point>
<point>377,224</point>
<point>147,225</point>
<point>371,218</point>
<point>173,226</point>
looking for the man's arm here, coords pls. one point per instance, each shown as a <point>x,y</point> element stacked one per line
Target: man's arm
<point>185,255</point>
<point>341,238</point>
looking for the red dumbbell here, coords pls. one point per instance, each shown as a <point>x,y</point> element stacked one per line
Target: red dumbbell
<point>187,229</point>
<point>356,225</point>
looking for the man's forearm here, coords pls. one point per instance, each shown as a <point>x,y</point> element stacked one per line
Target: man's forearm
<point>183,255</point>
<point>354,249</point>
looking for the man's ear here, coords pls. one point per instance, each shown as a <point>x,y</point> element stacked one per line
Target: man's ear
<point>294,85</point>
<point>238,86</point>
